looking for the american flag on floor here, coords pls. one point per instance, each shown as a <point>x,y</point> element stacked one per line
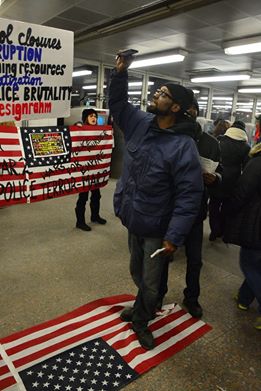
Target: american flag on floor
<point>41,163</point>
<point>91,348</point>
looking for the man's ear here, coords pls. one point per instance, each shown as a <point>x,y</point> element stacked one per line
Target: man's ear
<point>175,107</point>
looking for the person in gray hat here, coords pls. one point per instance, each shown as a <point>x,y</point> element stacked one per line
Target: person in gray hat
<point>234,149</point>
<point>158,195</point>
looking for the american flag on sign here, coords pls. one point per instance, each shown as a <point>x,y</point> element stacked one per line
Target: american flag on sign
<point>46,146</point>
<point>91,348</point>
<point>12,167</point>
<point>49,162</point>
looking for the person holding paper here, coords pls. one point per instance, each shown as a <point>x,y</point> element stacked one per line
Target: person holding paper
<point>159,193</point>
<point>209,152</point>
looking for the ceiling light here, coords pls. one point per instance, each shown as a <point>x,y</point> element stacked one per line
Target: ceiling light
<point>139,83</point>
<point>217,98</point>
<point>91,87</point>
<point>134,92</point>
<point>244,110</point>
<point>222,98</point>
<point>196,91</point>
<point>81,72</point>
<point>240,46</point>
<point>253,90</point>
<point>158,59</point>
<point>135,84</point>
<point>222,106</point>
<point>220,78</point>
<point>245,104</point>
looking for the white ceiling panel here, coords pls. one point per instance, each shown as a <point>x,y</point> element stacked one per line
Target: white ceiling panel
<point>110,8</point>
<point>84,16</point>
<point>242,27</point>
<point>217,13</point>
<point>249,7</point>
<point>209,33</point>
<point>33,11</point>
<point>151,30</point>
<point>184,23</point>
<point>65,24</point>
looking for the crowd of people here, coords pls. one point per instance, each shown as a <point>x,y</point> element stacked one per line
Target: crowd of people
<point>174,176</point>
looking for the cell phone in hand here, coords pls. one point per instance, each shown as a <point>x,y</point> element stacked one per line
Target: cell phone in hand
<point>127,52</point>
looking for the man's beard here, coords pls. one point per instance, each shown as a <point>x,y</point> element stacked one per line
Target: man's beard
<point>155,110</point>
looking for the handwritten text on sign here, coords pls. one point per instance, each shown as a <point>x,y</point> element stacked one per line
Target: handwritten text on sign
<point>36,65</point>
<point>47,162</point>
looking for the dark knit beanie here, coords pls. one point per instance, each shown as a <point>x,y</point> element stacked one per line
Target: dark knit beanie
<point>181,95</point>
<point>86,113</point>
<point>195,103</point>
<point>239,124</point>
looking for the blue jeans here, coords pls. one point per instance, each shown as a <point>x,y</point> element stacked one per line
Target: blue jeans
<point>250,263</point>
<point>146,273</point>
<point>193,248</point>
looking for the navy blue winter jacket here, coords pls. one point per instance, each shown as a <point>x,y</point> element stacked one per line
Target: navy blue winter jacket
<point>160,189</point>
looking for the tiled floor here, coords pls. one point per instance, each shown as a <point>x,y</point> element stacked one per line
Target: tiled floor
<point>49,268</point>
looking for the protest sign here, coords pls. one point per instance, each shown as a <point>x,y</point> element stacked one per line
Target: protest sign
<point>36,64</point>
<point>42,163</point>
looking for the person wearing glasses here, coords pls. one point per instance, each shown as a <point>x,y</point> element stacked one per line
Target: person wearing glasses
<point>158,195</point>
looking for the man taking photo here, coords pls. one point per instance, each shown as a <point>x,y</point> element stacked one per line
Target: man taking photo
<point>158,195</point>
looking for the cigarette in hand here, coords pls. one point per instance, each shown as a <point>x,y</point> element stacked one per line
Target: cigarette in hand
<point>157,252</point>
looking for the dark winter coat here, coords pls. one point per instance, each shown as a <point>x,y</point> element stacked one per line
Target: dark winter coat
<point>250,181</point>
<point>208,147</point>
<point>234,156</point>
<point>245,202</point>
<point>159,192</point>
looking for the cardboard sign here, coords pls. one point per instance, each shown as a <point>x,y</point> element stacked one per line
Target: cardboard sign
<point>36,64</point>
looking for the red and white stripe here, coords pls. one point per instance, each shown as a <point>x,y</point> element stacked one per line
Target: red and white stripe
<point>83,163</point>
<point>11,151</point>
<point>100,318</point>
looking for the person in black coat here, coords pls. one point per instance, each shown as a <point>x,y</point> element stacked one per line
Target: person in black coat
<point>234,155</point>
<point>247,191</point>
<point>89,117</point>
<point>208,149</point>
